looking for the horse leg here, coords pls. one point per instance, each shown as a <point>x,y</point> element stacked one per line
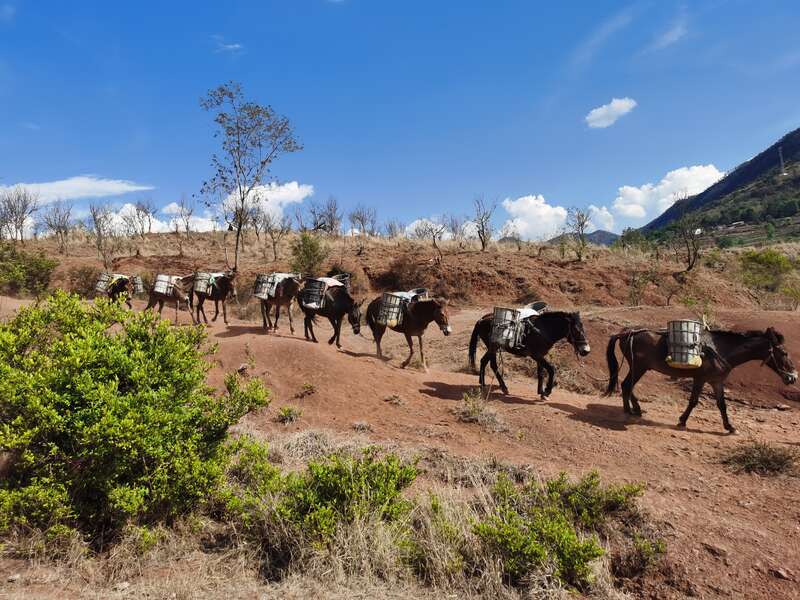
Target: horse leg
<point>500,381</point>
<point>410,343</point>
<point>225,312</point>
<point>201,307</point>
<point>310,328</point>
<point>289,312</point>
<point>422,355</point>
<point>335,330</point>
<point>277,315</point>
<point>377,333</point>
<point>482,370</point>
<point>629,402</point>
<point>539,379</point>
<point>264,310</point>
<point>694,398</point>
<point>719,394</point>
<point>216,314</point>
<point>160,306</point>
<point>551,373</point>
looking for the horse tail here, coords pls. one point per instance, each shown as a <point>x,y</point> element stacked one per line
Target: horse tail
<point>473,344</point>
<point>613,365</point>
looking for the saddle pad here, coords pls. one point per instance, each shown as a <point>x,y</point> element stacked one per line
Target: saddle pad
<point>330,281</point>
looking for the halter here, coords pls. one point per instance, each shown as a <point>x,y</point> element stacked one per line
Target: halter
<point>571,336</point>
<point>774,365</point>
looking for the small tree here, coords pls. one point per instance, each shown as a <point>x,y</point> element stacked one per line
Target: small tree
<point>431,230</point>
<point>364,220</point>
<point>456,227</point>
<point>253,136</point>
<point>139,221</point>
<point>105,233</point>
<point>482,217</point>
<point>511,233</point>
<point>276,229</point>
<point>17,205</point>
<point>393,228</point>
<point>308,254</point>
<point>325,217</point>
<point>577,225</point>
<point>58,220</point>
<point>183,219</point>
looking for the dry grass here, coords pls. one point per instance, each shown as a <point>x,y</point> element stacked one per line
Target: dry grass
<point>761,458</point>
<point>474,409</point>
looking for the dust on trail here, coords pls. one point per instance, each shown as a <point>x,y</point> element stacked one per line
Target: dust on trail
<point>729,533</point>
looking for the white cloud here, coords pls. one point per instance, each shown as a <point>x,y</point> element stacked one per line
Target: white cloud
<point>82,186</point>
<point>601,217</point>
<point>607,115</point>
<point>585,52</point>
<point>7,13</point>
<point>224,47</point>
<point>675,33</point>
<point>171,209</point>
<point>204,222</point>
<point>650,200</point>
<point>533,217</point>
<point>274,197</point>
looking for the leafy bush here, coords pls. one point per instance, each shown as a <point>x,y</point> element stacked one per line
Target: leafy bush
<point>308,254</point>
<point>82,280</point>
<point>108,418</point>
<point>288,414</point>
<point>761,458</point>
<point>765,269</point>
<point>23,272</point>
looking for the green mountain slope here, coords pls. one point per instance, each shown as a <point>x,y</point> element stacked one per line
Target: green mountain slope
<point>752,192</point>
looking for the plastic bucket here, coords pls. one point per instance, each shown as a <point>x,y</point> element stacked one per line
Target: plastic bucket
<point>202,283</point>
<point>314,293</point>
<point>506,331</point>
<point>164,284</point>
<point>392,309</point>
<point>103,280</point>
<point>683,341</point>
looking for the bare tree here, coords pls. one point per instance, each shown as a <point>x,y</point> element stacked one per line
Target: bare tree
<point>276,229</point>
<point>363,219</point>
<point>186,208</point>
<point>105,234</point>
<point>393,228</point>
<point>325,217</point>
<point>510,233</point>
<point>57,218</point>
<point>432,230</point>
<point>577,225</point>
<point>685,236</point>
<point>139,221</point>
<point>253,136</point>
<point>482,217</point>
<point>456,227</point>
<point>17,205</point>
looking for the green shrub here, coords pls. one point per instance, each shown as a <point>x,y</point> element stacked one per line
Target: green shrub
<point>341,489</point>
<point>288,414</point>
<point>765,269</point>
<point>23,272</point>
<point>308,254</point>
<point>108,417</point>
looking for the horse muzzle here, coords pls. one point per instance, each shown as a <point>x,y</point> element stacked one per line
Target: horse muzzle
<point>584,349</point>
<point>790,378</point>
<point>446,330</point>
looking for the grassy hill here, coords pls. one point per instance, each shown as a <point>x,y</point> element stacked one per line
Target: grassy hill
<point>754,192</point>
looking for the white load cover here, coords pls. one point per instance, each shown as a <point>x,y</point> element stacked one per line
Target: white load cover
<point>330,281</point>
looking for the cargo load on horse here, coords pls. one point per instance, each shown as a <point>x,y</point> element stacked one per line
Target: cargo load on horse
<point>394,305</point>
<point>509,325</point>
<point>266,284</point>
<point>685,349</point>
<point>313,294</point>
<point>165,284</point>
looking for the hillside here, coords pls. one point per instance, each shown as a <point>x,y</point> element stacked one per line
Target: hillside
<point>601,237</point>
<point>753,191</point>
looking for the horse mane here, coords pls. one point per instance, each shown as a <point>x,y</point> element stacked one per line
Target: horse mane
<point>559,313</point>
<point>752,333</point>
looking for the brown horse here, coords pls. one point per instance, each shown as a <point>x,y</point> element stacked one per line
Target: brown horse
<point>541,334</point>
<point>338,303</point>
<point>416,318</point>
<point>122,285</point>
<point>178,295</point>
<point>647,350</point>
<point>224,286</point>
<point>285,292</point>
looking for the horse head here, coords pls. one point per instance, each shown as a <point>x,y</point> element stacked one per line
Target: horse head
<point>778,358</point>
<point>441,316</point>
<point>354,316</point>
<point>230,277</point>
<point>576,335</point>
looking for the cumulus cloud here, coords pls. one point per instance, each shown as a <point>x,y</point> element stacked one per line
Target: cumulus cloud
<point>206,221</point>
<point>533,217</point>
<point>608,114</point>
<point>82,186</point>
<point>650,200</point>
<point>274,197</point>
<point>601,217</point>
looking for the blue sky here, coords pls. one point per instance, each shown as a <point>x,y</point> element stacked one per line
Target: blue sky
<point>412,107</point>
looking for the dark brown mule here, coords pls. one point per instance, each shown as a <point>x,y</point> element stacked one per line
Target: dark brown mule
<point>285,292</point>
<point>123,285</point>
<point>338,303</point>
<point>178,295</point>
<point>646,350</point>
<point>541,334</point>
<point>224,286</point>
<point>416,318</point>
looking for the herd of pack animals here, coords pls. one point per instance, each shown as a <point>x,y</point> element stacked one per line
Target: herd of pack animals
<point>715,353</point>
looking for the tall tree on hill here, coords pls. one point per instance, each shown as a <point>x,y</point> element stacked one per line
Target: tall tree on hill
<point>482,217</point>
<point>577,225</point>
<point>252,136</point>
<point>685,235</point>
<point>17,205</point>
<point>58,220</point>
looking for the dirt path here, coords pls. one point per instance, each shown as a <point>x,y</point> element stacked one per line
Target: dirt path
<point>733,535</point>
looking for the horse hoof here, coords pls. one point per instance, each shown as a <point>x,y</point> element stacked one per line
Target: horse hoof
<point>681,425</point>
<point>732,431</point>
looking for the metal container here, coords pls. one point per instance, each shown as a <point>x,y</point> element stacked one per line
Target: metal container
<point>506,330</point>
<point>683,342</point>
<point>164,284</point>
<point>392,309</point>
<point>138,284</point>
<point>202,283</point>
<point>344,278</point>
<point>419,294</point>
<point>314,293</point>
<point>103,281</point>
<point>263,287</point>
